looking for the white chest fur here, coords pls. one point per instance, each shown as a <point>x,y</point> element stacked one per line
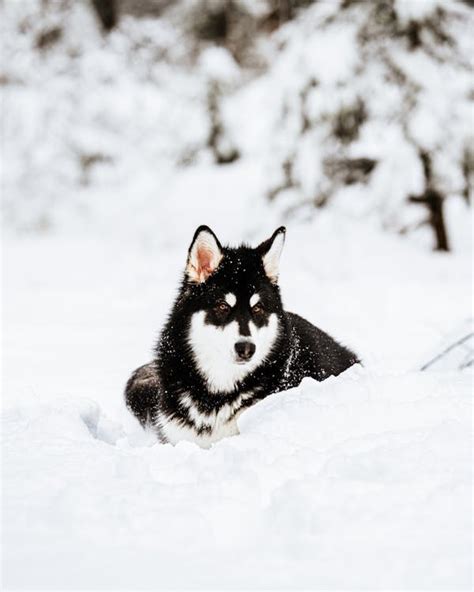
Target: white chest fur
<point>218,424</point>
<point>175,432</point>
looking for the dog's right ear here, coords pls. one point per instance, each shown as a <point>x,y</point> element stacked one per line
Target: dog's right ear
<point>204,256</point>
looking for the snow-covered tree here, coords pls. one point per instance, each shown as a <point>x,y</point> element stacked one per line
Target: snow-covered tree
<point>368,109</point>
<point>88,113</point>
<point>365,107</point>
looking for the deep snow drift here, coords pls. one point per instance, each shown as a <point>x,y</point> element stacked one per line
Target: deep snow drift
<point>355,483</point>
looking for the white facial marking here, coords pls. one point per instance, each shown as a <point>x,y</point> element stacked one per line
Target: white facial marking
<point>230,299</point>
<point>214,352</point>
<point>254,299</point>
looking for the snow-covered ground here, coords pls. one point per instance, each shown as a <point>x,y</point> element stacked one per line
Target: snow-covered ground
<point>353,484</point>
<point>363,481</point>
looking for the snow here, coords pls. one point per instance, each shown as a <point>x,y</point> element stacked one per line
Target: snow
<point>217,63</point>
<point>335,59</point>
<point>347,470</point>
<point>375,463</point>
<point>360,482</point>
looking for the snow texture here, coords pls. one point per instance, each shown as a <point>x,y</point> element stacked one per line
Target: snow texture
<point>350,89</point>
<point>360,482</point>
<point>371,470</point>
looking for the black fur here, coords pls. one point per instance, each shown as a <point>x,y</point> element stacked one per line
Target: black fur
<point>301,349</point>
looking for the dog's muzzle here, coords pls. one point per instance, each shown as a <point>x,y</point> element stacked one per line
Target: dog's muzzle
<point>244,350</point>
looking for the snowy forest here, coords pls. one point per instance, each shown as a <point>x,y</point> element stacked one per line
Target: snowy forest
<point>128,123</point>
<point>344,105</point>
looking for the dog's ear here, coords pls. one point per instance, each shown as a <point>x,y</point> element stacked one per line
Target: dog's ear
<point>270,251</point>
<point>204,255</point>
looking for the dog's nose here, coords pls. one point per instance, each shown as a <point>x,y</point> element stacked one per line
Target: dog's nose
<point>244,350</point>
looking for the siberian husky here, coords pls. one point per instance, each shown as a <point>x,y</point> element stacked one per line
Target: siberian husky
<point>228,343</point>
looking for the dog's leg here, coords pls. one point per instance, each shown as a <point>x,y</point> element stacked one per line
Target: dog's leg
<point>142,392</point>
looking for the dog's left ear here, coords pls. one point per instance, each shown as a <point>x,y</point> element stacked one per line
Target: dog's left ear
<point>270,251</point>
<point>204,256</point>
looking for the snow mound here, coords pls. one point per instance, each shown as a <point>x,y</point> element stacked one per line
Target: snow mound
<point>367,471</point>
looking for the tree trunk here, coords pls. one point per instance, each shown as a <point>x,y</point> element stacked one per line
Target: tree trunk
<point>433,200</point>
<point>106,11</point>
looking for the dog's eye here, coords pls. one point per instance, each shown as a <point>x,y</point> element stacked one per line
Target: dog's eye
<point>257,309</point>
<point>222,307</point>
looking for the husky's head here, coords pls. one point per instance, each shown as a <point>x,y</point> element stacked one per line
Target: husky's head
<point>234,306</point>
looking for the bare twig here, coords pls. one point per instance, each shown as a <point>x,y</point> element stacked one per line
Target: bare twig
<point>447,350</point>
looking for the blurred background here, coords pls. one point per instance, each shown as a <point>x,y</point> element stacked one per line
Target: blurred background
<point>127,123</point>
<point>359,107</point>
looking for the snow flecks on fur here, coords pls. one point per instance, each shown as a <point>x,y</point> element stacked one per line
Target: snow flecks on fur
<point>204,257</point>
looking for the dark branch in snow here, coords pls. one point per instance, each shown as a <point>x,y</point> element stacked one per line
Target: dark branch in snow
<point>468,172</point>
<point>305,118</point>
<point>223,151</point>
<point>348,121</point>
<point>350,170</point>
<point>457,343</point>
<point>288,178</point>
<point>48,37</point>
